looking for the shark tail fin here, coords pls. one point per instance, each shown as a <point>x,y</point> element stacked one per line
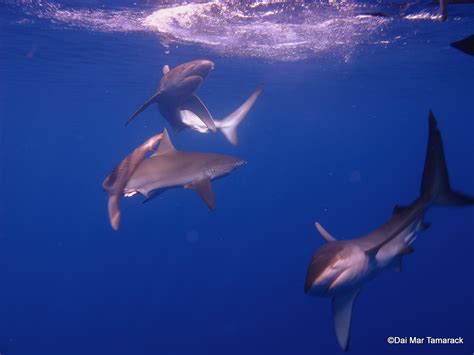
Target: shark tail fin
<point>228,125</point>
<point>435,186</point>
<point>143,107</point>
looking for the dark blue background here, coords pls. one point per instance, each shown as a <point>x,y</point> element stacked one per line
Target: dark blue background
<point>329,140</point>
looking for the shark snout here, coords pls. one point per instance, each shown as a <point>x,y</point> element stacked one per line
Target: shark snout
<point>240,162</point>
<point>223,165</point>
<point>235,163</point>
<point>202,67</point>
<point>336,266</point>
<point>206,64</point>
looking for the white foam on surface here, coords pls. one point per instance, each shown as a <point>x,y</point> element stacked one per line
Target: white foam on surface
<point>273,30</point>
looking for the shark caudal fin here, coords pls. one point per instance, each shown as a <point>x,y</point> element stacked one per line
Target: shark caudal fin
<point>228,126</point>
<point>435,186</point>
<point>143,107</point>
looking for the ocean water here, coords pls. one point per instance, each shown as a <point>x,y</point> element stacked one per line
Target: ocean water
<point>337,136</point>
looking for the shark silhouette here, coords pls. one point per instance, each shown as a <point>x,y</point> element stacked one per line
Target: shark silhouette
<point>182,108</point>
<point>339,268</point>
<point>166,168</point>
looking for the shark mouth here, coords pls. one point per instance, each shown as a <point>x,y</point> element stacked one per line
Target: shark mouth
<point>269,29</point>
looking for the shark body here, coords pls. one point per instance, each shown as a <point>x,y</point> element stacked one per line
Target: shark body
<point>169,168</point>
<point>166,168</point>
<point>340,268</point>
<point>182,108</point>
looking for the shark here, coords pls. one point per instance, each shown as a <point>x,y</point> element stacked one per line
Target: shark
<point>182,108</point>
<point>339,268</point>
<point>166,168</point>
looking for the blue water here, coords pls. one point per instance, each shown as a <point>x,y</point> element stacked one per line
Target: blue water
<point>338,136</point>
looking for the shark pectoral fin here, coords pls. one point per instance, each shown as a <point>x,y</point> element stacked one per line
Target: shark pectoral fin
<point>204,189</point>
<point>195,105</point>
<point>342,314</point>
<point>324,233</point>
<point>166,69</point>
<point>166,146</point>
<point>114,211</point>
<point>143,107</point>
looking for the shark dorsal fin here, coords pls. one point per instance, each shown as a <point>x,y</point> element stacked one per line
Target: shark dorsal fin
<point>166,146</point>
<point>324,233</point>
<point>166,69</point>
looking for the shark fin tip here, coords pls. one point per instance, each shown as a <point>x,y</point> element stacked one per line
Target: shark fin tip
<point>324,233</point>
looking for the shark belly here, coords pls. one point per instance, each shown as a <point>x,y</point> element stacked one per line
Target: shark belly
<point>393,250</point>
<point>395,236</point>
<point>191,120</point>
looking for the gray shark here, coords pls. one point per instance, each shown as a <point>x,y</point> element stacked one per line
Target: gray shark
<point>166,168</point>
<point>340,268</point>
<point>178,103</point>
